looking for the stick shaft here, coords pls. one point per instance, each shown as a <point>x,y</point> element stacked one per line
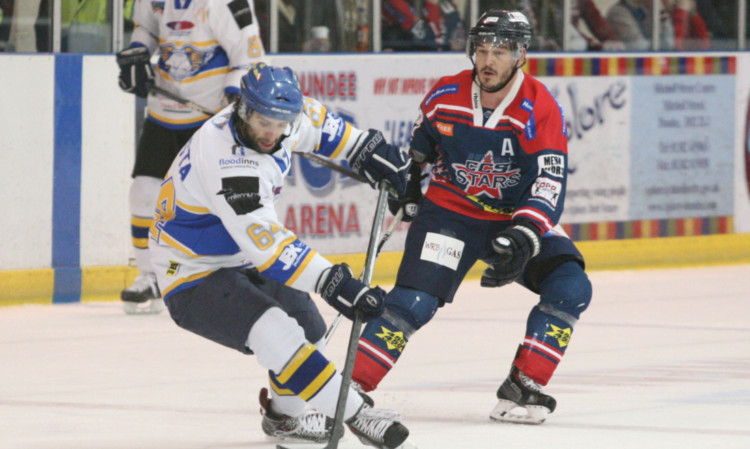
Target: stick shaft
<point>351,353</point>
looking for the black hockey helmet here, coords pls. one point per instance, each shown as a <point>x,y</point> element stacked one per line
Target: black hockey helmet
<point>500,27</point>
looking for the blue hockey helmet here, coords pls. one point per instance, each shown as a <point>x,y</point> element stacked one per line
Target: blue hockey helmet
<point>500,27</point>
<point>271,91</point>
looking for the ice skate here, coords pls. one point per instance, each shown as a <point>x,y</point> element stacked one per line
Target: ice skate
<point>311,426</point>
<point>361,391</point>
<point>380,428</point>
<point>143,297</point>
<point>520,400</point>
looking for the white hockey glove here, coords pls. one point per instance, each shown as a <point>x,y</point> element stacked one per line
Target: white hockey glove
<point>376,160</point>
<point>346,294</point>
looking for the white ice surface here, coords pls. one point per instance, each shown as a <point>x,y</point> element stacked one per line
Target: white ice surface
<point>660,360</point>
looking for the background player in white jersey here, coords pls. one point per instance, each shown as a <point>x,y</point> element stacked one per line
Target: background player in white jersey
<point>204,47</point>
<point>496,139</point>
<point>232,273</point>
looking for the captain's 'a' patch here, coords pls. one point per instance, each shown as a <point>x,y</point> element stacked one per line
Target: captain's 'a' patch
<point>242,13</point>
<point>242,193</point>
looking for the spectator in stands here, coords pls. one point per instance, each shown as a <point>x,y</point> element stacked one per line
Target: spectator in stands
<point>632,20</point>
<point>30,27</point>
<point>721,23</point>
<point>597,32</point>
<point>690,32</point>
<point>544,35</point>
<point>86,26</point>
<point>319,41</point>
<point>294,20</point>
<point>590,31</point>
<point>406,28</point>
<point>435,26</point>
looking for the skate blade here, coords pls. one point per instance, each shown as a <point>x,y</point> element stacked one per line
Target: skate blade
<point>150,307</point>
<point>343,444</point>
<point>510,412</point>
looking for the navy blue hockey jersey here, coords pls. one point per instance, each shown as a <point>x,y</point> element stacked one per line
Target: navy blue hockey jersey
<point>502,164</point>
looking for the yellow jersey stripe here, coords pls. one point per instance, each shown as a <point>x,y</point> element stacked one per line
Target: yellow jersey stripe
<point>301,268</point>
<point>276,255</point>
<point>166,238</point>
<point>194,44</point>
<point>200,76</point>
<point>184,280</point>
<point>175,122</point>
<point>344,140</point>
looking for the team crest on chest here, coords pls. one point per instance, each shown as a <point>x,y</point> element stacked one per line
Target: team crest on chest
<point>487,177</point>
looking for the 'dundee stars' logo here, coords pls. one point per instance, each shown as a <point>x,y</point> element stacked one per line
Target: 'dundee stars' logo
<point>487,177</point>
<point>394,340</point>
<point>561,335</point>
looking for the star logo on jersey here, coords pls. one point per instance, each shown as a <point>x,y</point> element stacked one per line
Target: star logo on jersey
<point>394,340</point>
<point>561,335</point>
<point>487,177</point>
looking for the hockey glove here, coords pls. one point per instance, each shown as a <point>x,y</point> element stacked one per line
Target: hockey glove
<point>136,73</point>
<point>376,160</point>
<point>515,247</point>
<point>409,201</point>
<point>346,294</point>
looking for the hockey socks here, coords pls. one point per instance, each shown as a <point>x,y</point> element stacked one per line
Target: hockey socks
<point>547,338</point>
<point>384,338</point>
<point>380,346</point>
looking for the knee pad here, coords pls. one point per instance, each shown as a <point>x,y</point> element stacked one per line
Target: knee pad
<point>409,309</point>
<point>566,289</point>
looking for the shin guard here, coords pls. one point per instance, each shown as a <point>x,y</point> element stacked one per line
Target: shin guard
<point>547,338</point>
<point>383,340</point>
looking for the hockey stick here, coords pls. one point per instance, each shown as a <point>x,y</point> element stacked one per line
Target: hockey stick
<point>386,235</point>
<point>192,105</point>
<point>351,353</point>
<point>309,156</point>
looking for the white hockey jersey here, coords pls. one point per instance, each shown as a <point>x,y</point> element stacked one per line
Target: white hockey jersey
<point>203,47</point>
<point>216,205</point>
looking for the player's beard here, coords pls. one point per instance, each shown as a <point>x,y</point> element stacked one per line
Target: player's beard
<point>505,78</point>
<point>251,140</point>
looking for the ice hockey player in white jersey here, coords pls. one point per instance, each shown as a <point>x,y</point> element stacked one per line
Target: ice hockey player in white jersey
<point>229,270</point>
<point>204,47</point>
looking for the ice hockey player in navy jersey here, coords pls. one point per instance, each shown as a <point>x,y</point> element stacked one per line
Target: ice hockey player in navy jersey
<point>496,142</point>
<point>231,272</point>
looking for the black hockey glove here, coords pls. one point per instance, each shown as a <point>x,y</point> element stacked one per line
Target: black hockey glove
<point>376,160</point>
<point>346,294</point>
<point>515,246</point>
<point>409,201</point>
<point>136,73</point>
